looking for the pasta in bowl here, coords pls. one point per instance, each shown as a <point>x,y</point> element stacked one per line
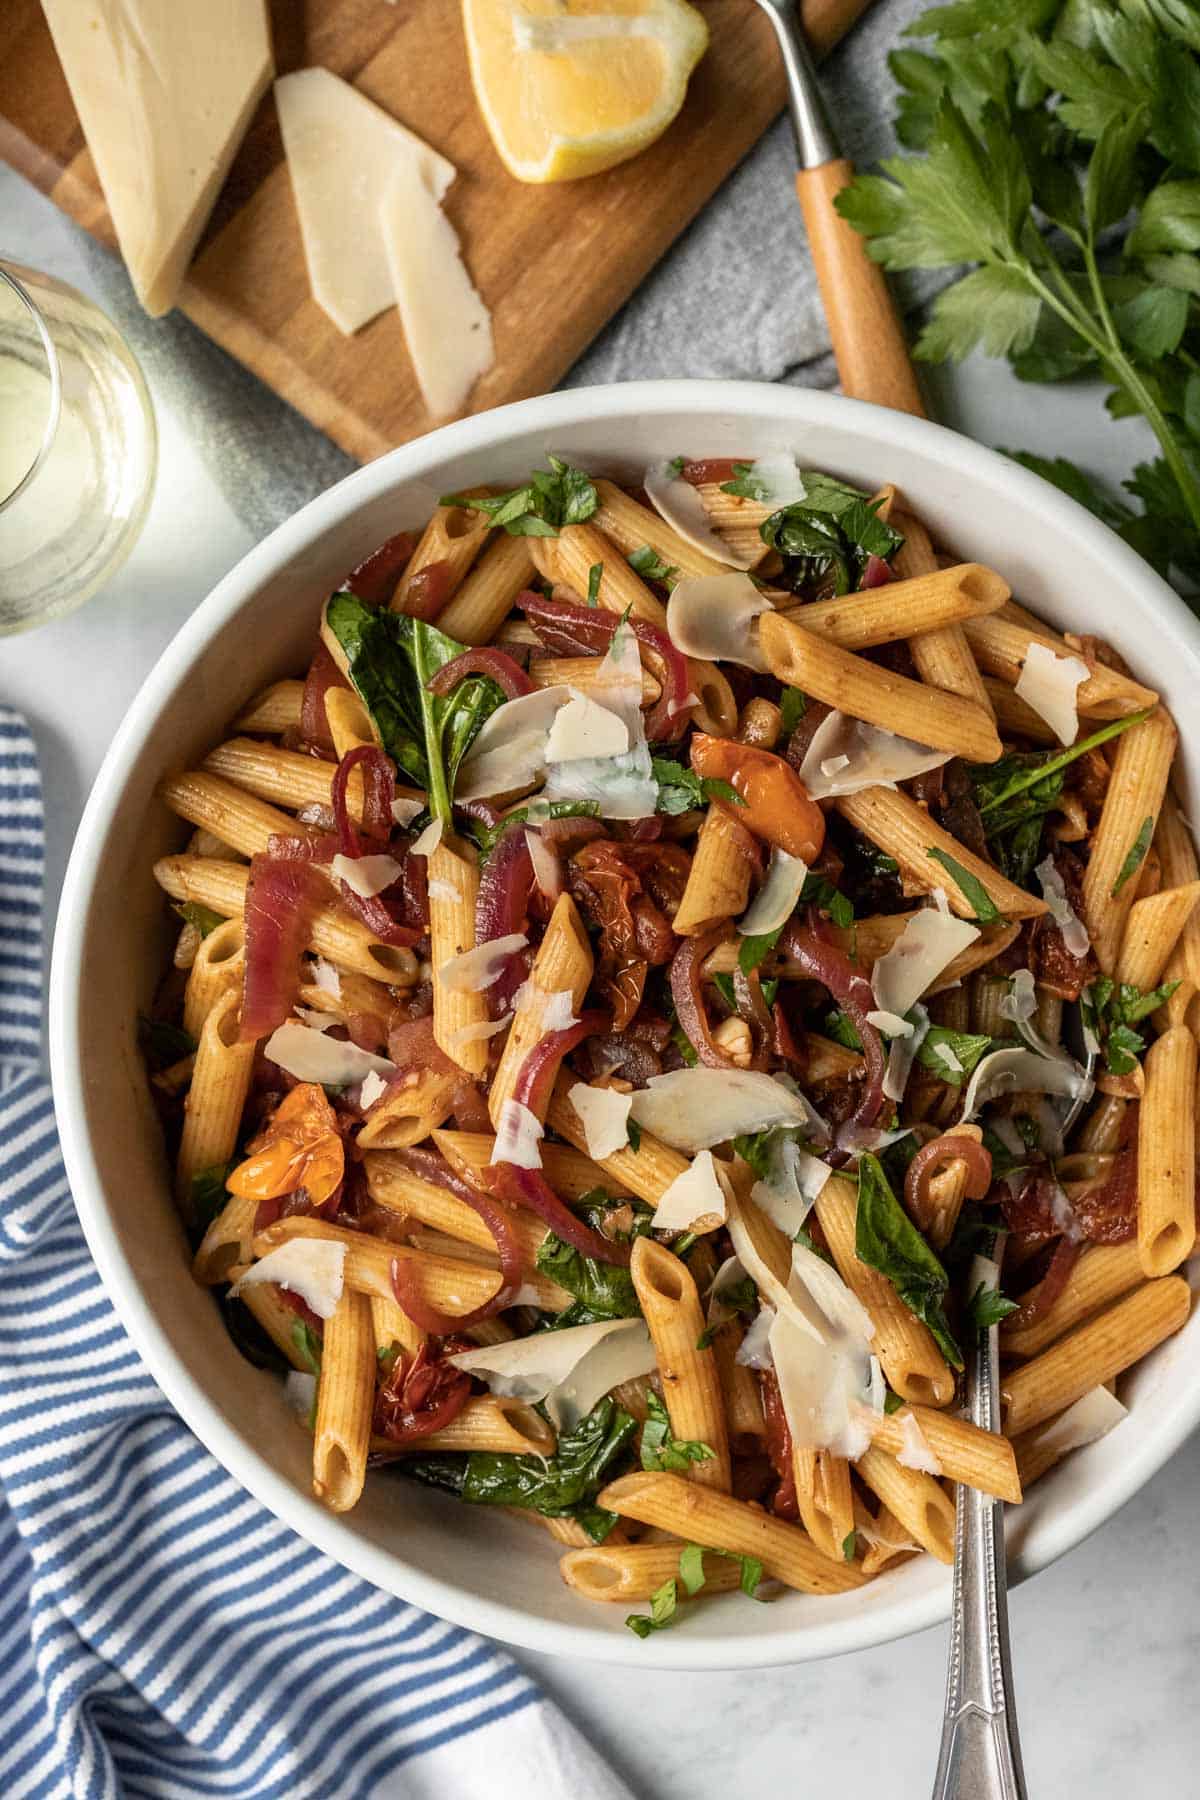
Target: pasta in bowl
<point>626,971</point>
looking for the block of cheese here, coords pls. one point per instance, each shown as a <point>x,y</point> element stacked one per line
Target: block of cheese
<point>343,153</point>
<point>164,90</point>
<point>447,327</point>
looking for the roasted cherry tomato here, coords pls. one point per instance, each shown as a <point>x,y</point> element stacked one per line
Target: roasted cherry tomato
<point>776,806</point>
<point>300,1147</point>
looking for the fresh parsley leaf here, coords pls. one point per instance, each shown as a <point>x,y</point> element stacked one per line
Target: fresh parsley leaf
<point>886,1239</point>
<point>793,704</point>
<point>828,537</point>
<point>551,499</point>
<point>633,1133</point>
<point>839,1026</point>
<point>713,788</point>
<point>817,891</point>
<point>1072,481</point>
<point>684,1044</point>
<point>650,566</point>
<point>681,790</point>
<point>849,1546</point>
<point>987,1306</point>
<point>968,1048</point>
<point>1112,1010</point>
<point>745,484</point>
<point>202,917</point>
<point>308,1346</point>
<point>661,1451</point>
<point>691,1567</point>
<point>753,950</point>
<point>1137,854</point>
<point>675,465</point>
<point>595,576</point>
<point>969,886</point>
<point>662,1610</point>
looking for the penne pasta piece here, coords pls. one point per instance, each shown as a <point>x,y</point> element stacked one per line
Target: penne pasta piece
<point>565,1530</point>
<point>225,1246</point>
<point>453,538</point>
<point>868,691</point>
<point>700,1515</point>
<point>333,934</point>
<point>393,1328</point>
<point>917,1500</point>
<point>1177,853</point>
<point>1102,1274</point>
<point>1014,716</point>
<point>942,655</point>
<point>236,816</point>
<point>563,964</point>
<point>283,776</point>
<point>345,1400</point>
<point>690,1383</point>
<point>718,883</point>
<point>883,1539</point>
<point>910,1359</point>
<point>898,826</point>
<point>274,710</point>
<point>570,1173</point>
<point>979,1459</point>
<point>630,1572</point>
<point>1166,1153</point>
<point>760,723</point>
<point>1000,644</point>
<point>421,1101</point>
<point>647,1171</point>
<point>739,1390</point>
<point>1152,930</point>
<point>488,592</point>
<point>279,1321</point>
<point>915,607</point>
<point>219,967</point>
<point>350,725</point>
<point>355,993</point>
<point>948,1190</point>
<point>630,525</point>
<point>824,1499</point>
<point>206,843</point>
<point>453,891</point>
<point>491,1422</point>
<point>212,1112</point>
<point>581,672</point>
<point>1141,765</point>
<point>1093,1353</point>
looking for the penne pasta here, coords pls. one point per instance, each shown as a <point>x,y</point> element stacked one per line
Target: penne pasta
<point>718,883</point>
<point>215,1101</point>
<point>451,541</point>
<point>581,672</point>
<point>345,1398</point>
<point>563,964</point>
<point>916,1499</point>
<point>218,968</point>
<point>631,1572</point>
<point>276,709</point>
<point>690,1383</point>
<point>899,827</point>
<point>235,815</point>
<point>283,776</point>
<point>630,525</point>
<point>570,1173</point>
<point>1102,1273</point>
<point>490,1422</point>
<point>1134,796</point>
<point>453,891</point>
<point>1000,644</point>
<point>647,1171</point>
<point>918,607</point>
<point>393,1328</point>
<point>487,592</point>
<point>979,1459</point>
<point>942,655</point>
<point>1166,1153</point>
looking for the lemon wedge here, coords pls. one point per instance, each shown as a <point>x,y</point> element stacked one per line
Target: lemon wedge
<point>570,87</point>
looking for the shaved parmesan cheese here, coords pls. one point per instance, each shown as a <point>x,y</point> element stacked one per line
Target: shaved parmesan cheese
<point>854,1139</point>
<point>604,1115</point>
<point>570,1369</point>
<point>309,1266</point>
<point>929,941</point>
<point>694,1200</point>
<point>509,754</point>
<point>793,1180</point>
<point>343,153</point>
<point>623,786</point>
<point>679,503</point>
<point>557,1006</point>
<point>1091,1418</point>
<point>1054,889</point>
<point>868,1529</point>
<point>477,1033</point>
<point>847,754</point>
<point>404,811</point>
<point>517,1137</point>
<point>1019,1005</point>
<point>447,327</point>
<point>1050,685</point>
<point>755,1348</point>
<point>311,1056</point>
<point>371,1089</point>
<point>444,890</point>
<point>480,967</point>
<point>776,899</point>
<point>366,875</point>
<point>1020,1072</point>
<point>941,899</point>
<point>300,1393</point>
<point>326,977</point>
<point>693,1109</point>
<point>316,1021</point>
<point>712,617</point>
<point>914,1451</point>
<point>777,479</point>
<point>890,1023</point>
<point>581,728</point>
<point>902,1053</point>
<point>430,838</point>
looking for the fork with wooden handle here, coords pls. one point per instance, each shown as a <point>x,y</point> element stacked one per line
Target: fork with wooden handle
<point>868,341</point>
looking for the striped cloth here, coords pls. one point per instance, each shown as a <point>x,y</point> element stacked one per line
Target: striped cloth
<point>161,1634</point>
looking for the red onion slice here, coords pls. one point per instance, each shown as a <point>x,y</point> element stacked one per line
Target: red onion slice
<point>686,967</point>
<point>825,963</point>
<point>374,579</point>
<point>529,1188</point>
<point>486,660</point>
<point>570,630</point>
<point>379,790</point>
<point>938,1154</point>
<point>535,1077</point>
<point>281,897</point>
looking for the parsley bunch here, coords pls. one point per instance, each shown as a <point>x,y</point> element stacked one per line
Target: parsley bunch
<point>1061,157</point>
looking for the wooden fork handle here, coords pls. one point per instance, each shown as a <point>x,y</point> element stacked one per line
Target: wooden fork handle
<point>868,339</point>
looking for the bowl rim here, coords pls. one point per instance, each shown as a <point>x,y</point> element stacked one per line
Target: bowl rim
<point>889,433</point>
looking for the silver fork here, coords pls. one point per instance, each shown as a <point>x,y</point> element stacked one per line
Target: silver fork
<point>980,1756</point>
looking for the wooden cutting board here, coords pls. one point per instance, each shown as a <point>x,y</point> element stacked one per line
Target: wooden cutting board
<point>553,263</point>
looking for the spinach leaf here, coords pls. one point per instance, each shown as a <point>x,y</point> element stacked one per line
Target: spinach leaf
<point>754,950</point>
<point>886,1239</point>
<point>662,1451</point>
<point>551,498</point>
<point>663,1602</point>
<point>602,1289</point>
<point>562,1485</point>
<point>390,659</point>
<point>829,536</point>
<point>967,1047</point>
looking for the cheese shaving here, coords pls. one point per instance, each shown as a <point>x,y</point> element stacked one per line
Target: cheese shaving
<point>509,754</point>
<point>309,1266</point>
<point>430,838</point>
<point>570,1370</point>
<point>373,1087</point>
<point>930,941</point>
<point>1050,685</point>
<point>447,327</point>
<point>311,1056</point>
<point>847,754</point>
<point>518,1135</point>
<point>366,875</point>
<point>1092,1417</point>
<point>695,1200</point>
<point>693,1109</point>
<point>404,810</point>
<point>914,1451</point>
<point>326,977</point>
<point>1054,890</point>
<point>679,503</point>
<point>711,617</point>
<point>581,728</point>
<point>604,1115</point>
<point>479,968</point>
<point>476,1033</point>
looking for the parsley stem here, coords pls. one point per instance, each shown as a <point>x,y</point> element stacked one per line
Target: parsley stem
<point>1019,783</point>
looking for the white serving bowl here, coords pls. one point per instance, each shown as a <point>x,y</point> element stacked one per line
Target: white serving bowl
<point>472,1565</point>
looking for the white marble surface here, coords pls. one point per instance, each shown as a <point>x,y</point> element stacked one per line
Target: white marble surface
<point>1106,1643</point>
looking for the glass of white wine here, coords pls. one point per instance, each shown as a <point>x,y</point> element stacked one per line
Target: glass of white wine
<point>78,448</point>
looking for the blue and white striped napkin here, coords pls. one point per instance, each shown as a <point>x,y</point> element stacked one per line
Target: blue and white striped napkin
<point>161,1634</point>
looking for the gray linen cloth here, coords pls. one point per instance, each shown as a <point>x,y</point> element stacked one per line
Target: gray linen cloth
<point>734,297</point>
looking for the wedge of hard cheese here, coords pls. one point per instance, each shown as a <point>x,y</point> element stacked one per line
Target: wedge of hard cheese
<point>164,90</point>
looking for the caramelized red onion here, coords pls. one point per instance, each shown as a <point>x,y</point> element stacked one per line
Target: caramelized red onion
<point>323,673</point>
<point>374,580</point>
<point>686,991</point>
<point>876,574</point>
<point>420,1396</point>
<point>505,881</point>
<point>570,630</point>
<point>428,592</point>
<point>779,1445</point>
<point>937,1155</point>
<point>825,963</point>
<point>1042,1297</point>
<point>379,790</point>
<point>535,1077</point>
<point>485,660</point>
<point>529,1188</point>
<point>281,897</point>
<point>432,1167</point>
<point>412,1045</point>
